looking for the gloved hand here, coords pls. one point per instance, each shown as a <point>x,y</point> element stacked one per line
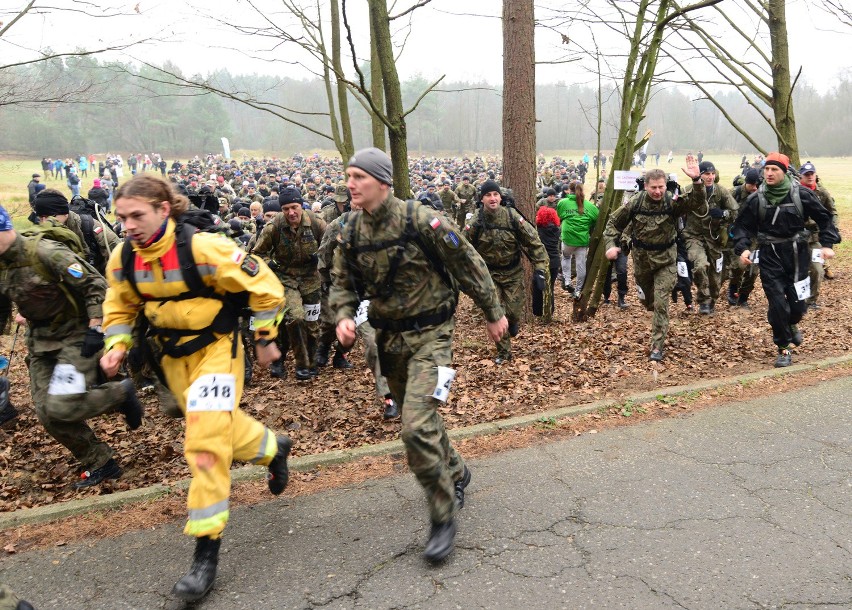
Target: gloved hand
<point>538,279</point>
<point>93,342</point>
<point>718,213</point>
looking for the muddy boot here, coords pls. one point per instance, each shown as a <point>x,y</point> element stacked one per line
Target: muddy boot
<point>277,370</point>
<point>199,580</point>
<point>340,361</point>
<point>622,304</point>
<point>322,354</point>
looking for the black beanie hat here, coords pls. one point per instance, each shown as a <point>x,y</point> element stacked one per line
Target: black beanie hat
<point>51,203</point>
<point>488,186</point>
<point>244,212</point>
<point>289,195</point>
<point>271,206</point>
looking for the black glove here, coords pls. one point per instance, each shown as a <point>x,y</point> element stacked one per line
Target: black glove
<point>717,213</point>
<point>93,342</point>
<point>538,279</point>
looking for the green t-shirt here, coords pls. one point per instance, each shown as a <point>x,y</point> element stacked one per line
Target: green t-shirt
<point>576,227</point>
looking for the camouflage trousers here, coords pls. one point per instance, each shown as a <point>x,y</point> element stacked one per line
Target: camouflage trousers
<point>655,285</point>
<point>367,334</point>
<point>741,277</point>
<point>511,291</point>
<point>61,410</point>
<point>301,332</point>
<point>409,361</point>
<point>8,599</point>
<point>703,253</point>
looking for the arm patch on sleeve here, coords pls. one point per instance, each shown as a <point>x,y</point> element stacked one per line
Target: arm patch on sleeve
<point>250,266</point>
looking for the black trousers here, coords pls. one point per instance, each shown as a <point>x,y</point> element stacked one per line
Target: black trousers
<point>778,274</point>
<point>538,295</point>
<point>620,266</point>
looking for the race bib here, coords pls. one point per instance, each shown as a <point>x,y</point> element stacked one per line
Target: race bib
<point>251,323</point>
<point>445,380</point>
<point>682,269</point>
<point>212,393</point>
<point>803,288</point>
<point>361,314</point>
<point>756,257</point>
<point>720,262</point>
<point>640,292</point>
<point>312,312</point>
<point>816,256</point>
<point>66,380</point>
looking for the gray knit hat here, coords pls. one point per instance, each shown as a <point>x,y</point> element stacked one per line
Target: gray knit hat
<point>375,162</point>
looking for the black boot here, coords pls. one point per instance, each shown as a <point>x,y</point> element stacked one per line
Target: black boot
<point>279,473</point>
<point>732,295</point>
<point>277,370</point>
<point>391,408</point>
<point>340,361</point>
<point>110,470</point>
<point>442,538</point>
<point>460,486</point>
<point>621,303</point>
<point>199,580</point>
<point>322,354</point>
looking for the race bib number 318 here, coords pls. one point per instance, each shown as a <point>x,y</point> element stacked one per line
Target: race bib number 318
<point>212,393</point>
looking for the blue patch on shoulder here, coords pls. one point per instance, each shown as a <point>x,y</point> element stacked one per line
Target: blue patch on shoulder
<point>452,239</point>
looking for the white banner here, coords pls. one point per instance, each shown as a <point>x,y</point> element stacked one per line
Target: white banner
<point>626,180</point>
<point>226,147</point>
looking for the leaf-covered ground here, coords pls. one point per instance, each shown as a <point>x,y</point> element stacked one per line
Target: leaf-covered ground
<point>555,365</point>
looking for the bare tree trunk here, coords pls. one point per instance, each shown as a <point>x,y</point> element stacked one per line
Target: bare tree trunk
<point>379,139</point>
<point>346,146</point>
<point>782,88</point>
<point>397,132</point>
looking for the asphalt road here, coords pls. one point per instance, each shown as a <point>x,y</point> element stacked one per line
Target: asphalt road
<point>741,506</point>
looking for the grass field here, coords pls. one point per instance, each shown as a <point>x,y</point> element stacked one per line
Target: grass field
<point>834,174</point>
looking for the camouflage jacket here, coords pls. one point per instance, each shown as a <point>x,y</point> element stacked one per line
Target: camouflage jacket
<point>827,202</point>
<point>292,252</point>
<point>417,287</point>
<point>501,236</point>
<point>57,293</point>
<point>700,224</point>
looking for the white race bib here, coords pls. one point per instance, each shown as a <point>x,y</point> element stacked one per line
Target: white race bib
<point>312,312</point>
<point>682,269</point>
<point>445,380</point>
<point>251,323</point>
<point>816,256</point>
<point>66,380</point>
<point>756,259</point>
<point>803,288</point>
<point>640,292</point>
<point>361,314</point>
<point>212,393</point>
<point>720,262</point>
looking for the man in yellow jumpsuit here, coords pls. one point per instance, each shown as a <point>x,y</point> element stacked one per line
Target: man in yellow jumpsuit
<point>195,335</point>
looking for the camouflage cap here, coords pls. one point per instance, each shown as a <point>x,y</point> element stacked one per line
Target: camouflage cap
<point>341,193</point>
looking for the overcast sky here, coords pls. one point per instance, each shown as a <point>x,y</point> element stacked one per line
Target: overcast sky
<point>452,37</point>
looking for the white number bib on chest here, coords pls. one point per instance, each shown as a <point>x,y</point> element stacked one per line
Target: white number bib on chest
<point>312,312</point>
<point>756,259</point>
<point>816,256</point>
<point>66,380</point>
<point>361,314</point>
<point>803,288</point>
<point>720,262</point>
<point>445,380</point>
<point>682,269</point>
<point>212,393</point>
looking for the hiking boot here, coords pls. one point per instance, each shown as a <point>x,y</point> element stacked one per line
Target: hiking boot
<point>704,309</point>
<point>304,374</point>
<point>8,414</point>
<point>131,408</point>
<point>442,538</point>
<point>279,473</point>
<point>314,372</point>
<point>277,370</point>
<point>110,470</point>
<point>514,329</point>
<point>656,355</point>
<point>460,486</point>
<point>391,408</point>
<point>7,411</point>
<point>568,287</point>
<point>322,354</point>
<point>340,361</point>
<point>733,297</point>
<point>24,605</point>
<point>199,580</point>
<point>796,335</point>
<point>785,358</point>
<point>621,303</point>
<point>503,359</point>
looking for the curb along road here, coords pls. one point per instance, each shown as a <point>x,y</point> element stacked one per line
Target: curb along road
<point>43,514</point>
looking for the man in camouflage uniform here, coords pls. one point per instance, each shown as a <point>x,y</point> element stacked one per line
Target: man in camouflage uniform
<point>408,261</point>
<point>706,235</point>
<point>652,216</point>
<point>810,180</point>
<point>290,243</point>
<point>500,234</point>
<point>59,297</point>
<point>450,200</point>
<point>330,240</point>
<point>742,277</point>
<point>341,204</point>
<point>467,200</point>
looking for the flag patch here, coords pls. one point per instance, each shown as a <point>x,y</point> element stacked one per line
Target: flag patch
<point>435,223</point>
<point>75,270</point>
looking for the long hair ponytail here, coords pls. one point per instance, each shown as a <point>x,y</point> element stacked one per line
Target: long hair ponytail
<point>581,198</point>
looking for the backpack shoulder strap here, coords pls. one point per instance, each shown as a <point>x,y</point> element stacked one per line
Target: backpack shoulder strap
<point>128,257</point>
<point>183,240</point>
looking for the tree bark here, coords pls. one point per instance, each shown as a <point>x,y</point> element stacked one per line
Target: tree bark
<point>397,132</point>
<point>346,146</point>
<point>782,88</point>
<point>378,126</point>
